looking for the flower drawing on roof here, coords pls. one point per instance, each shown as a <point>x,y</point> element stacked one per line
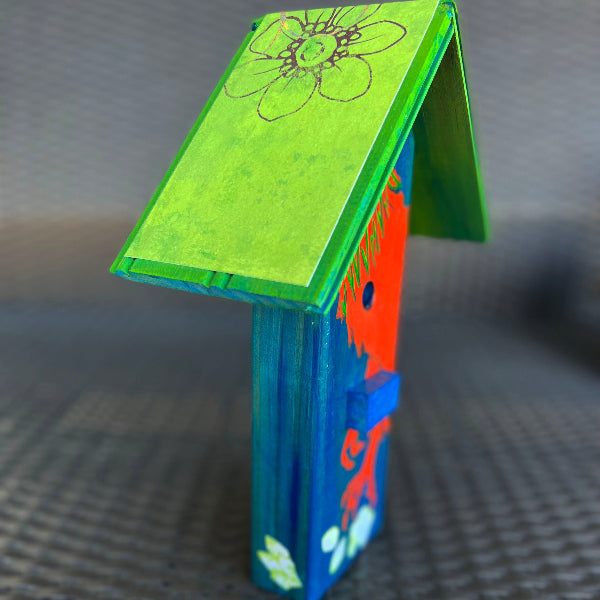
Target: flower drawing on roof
<point>326,53</point>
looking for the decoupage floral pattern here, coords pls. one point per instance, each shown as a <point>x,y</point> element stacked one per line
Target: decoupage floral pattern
<point>326,53</point>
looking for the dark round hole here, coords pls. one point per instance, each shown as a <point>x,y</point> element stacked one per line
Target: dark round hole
<point>368,295</point>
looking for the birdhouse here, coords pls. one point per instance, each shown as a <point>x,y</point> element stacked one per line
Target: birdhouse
<point>293,192</point>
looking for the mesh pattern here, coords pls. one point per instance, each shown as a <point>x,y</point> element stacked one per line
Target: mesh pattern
<point>121,480</point>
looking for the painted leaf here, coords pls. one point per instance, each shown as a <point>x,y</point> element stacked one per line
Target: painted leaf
<point>361,528</point>
<point>330,539</point>
<point>338,556</point>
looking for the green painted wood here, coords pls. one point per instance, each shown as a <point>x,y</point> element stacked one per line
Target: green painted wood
<point>447,184</point>
<point>295,120</point>
<point>445,205</point>
<point>395,132</point>
<point>206,282</point>
<point>120,263</point>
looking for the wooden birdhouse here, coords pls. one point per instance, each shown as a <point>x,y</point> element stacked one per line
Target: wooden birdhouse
<point>293,192</point>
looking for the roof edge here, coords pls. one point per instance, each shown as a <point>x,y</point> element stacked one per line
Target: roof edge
<point>448,196</point>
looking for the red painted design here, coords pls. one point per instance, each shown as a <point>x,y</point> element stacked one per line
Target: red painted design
<point>379,259</point>
<point>352,447</point>
<point>364,481</point>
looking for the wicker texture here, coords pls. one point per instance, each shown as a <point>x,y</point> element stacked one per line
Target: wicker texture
<point>125,467</point>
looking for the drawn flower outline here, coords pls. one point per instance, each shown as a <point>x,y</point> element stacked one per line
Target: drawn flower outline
<point>324,54</point>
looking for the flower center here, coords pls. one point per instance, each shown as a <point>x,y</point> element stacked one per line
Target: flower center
<point>315,50</point>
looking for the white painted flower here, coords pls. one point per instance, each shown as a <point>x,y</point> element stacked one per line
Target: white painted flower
<point>334,543</point>
<point>360,530</point>
<point>359,535</point>
<point>330,539</point>
<point>279,563</point>
<point>337,558</point>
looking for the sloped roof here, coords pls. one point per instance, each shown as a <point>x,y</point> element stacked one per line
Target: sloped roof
<point>270,194</point>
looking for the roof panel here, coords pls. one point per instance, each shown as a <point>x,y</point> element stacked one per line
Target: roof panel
<point>271,191</point>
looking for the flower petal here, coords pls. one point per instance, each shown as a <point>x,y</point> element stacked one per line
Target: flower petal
<point>360,530</point>
<point>352,546</point>
<point>377,37</point>
<point>330,538</point>
<point>349,79</point>
<point>252,76</point>
<point>286,96</point>
<point>276,37</point>
<point>319,19</point>
<point>337,557</point>
<point>352,15</point>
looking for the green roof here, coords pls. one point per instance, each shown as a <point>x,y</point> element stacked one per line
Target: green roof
<point>272,190</point>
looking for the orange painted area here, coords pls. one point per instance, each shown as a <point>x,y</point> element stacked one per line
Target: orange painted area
<point>379,260</point>
<point>374,330</point>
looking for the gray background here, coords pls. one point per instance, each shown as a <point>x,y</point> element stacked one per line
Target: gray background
<point>124,409</point>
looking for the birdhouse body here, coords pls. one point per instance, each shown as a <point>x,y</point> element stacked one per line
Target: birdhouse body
<point>319,434</point>
<point>292,192</point>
